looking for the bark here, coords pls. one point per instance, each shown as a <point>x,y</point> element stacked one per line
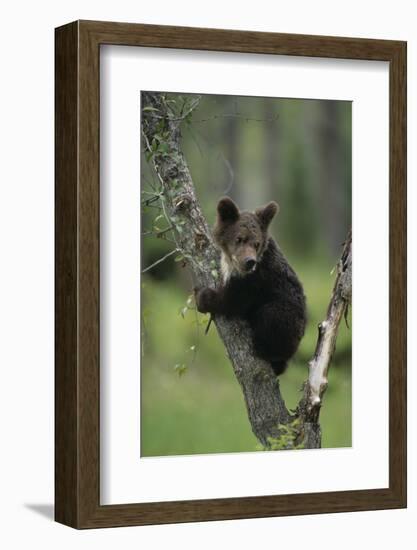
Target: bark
<point>265,405</point>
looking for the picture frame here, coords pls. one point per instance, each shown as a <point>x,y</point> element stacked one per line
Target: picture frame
<point>77,293</point>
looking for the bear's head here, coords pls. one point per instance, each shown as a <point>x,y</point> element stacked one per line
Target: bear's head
<point>242,236</point>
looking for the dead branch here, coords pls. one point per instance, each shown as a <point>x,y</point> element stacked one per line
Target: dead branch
<point>316,384</point>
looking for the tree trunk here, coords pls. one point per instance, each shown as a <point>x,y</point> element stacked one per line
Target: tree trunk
<point>265,405</point>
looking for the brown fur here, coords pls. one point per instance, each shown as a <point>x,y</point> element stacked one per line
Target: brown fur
<point>258,283</point>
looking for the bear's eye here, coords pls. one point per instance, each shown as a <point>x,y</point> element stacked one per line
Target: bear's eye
<point>256,246</point>
<point>238,240</point>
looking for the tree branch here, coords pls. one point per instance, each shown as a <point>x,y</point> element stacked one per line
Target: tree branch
<point>265,405</point>
<point>316,384</point>
<point>160,260</point>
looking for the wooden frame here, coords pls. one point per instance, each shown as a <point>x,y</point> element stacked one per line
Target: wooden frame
<point>77,406</point>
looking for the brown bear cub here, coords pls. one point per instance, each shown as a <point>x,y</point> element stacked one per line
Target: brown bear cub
<point>258,284</point>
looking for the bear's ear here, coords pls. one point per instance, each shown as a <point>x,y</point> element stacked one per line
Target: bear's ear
<point>227,210</point>
<point>266,213</point>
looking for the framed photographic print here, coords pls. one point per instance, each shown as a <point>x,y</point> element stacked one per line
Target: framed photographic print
<point>230,274</point>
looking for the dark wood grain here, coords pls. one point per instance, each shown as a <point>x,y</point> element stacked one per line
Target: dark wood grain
<point>398,273</point>
<point>66,238</point>
<point>77,403</point>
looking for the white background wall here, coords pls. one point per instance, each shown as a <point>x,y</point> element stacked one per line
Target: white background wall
<point>26,272</point>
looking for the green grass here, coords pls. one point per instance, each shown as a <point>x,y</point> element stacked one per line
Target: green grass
<point>203,411</point>
<point>197,413</point>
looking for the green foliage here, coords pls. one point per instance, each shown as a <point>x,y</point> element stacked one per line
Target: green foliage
<point>289,438</point>
<point>180,368</point>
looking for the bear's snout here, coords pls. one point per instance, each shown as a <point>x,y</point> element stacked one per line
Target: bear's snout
<point>249,264</point>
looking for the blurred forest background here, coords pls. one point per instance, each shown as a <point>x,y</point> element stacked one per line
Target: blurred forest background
<point>298,153</point>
